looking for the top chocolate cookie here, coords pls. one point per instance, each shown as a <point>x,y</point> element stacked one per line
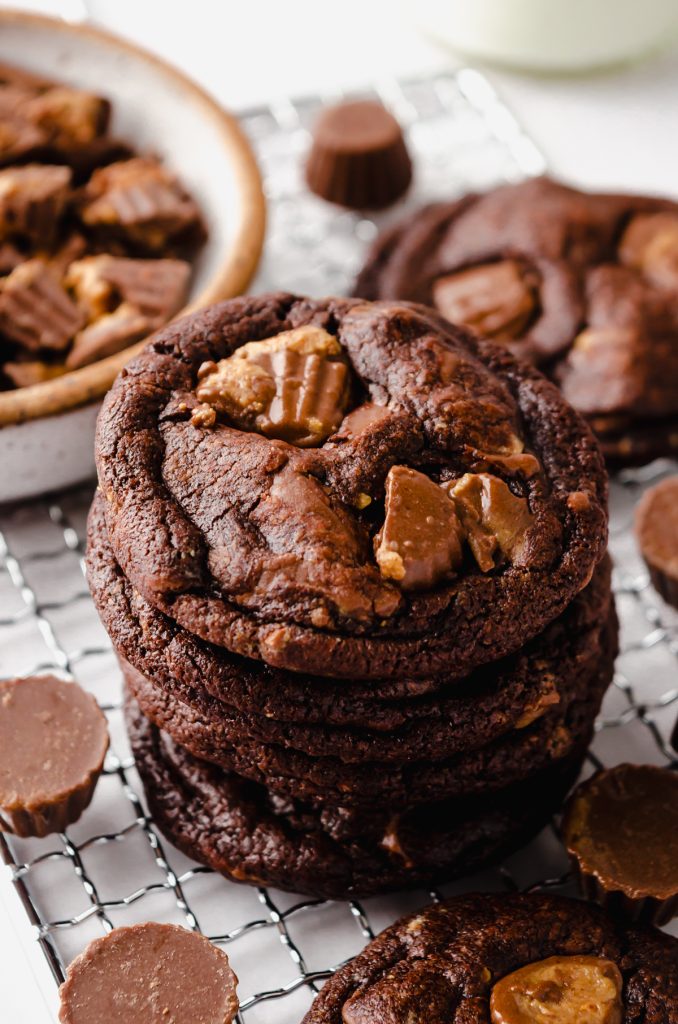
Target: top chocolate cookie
<point>348,488</point>
<point>585,284</point>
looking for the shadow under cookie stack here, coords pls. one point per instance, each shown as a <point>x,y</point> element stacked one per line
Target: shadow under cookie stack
<point>352,563</point>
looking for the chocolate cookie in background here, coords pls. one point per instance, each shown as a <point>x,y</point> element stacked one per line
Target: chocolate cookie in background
<point>582,284</point>
<point>506,959</point>
<point>352,563</point>
<point>656,525</point>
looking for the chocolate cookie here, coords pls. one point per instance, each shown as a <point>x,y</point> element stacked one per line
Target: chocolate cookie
<point>204,730</point>
<point>332,852</point>
<point>584,284</point>
<point>262,463</point>
<point>340,717</point>
<point>506,959</point>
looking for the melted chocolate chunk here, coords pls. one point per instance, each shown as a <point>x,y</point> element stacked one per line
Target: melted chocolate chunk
<point>493,518</point>
<point>496,299</point>
<point>420,541</point>
<point>650,244</point>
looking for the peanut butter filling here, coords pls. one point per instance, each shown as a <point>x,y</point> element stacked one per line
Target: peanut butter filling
<point>294,386</point>
<point>560,990</point>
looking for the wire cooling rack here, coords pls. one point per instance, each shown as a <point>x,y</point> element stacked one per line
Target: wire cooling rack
<point>113,867</point>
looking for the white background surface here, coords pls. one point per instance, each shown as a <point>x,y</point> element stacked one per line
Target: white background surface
<point>615,130</point>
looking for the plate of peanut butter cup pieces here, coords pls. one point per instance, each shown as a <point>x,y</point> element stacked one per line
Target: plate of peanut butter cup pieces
<point>351,554</point>
<point>111,224</point>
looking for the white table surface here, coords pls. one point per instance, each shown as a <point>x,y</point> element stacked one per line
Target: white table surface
<point>612,130</point>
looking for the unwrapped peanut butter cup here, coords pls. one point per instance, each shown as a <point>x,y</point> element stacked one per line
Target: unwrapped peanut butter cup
<point>150,972</point>
<point>657,534</point>
<point>53,740</point>
<point>621,830</point>
<point>358,158</point>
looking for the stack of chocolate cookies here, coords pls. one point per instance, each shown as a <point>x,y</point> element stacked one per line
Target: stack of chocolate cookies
<point>353,563</point>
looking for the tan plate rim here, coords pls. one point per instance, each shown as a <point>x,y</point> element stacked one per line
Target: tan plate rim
<point>91,382</point>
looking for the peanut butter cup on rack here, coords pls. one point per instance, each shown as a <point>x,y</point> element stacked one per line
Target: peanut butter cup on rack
<point>621,831</point>
<point>583,284</point>
<point>243,508</point>
<point>150,972</point>
<point>53,740</point>
<point>358,156</point>
<point>657,535</point>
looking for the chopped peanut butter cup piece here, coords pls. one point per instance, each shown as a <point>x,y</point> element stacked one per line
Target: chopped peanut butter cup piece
<point>35,310</point>
<point>19,138</point>
<point>294,386</point>
<point>560,990</point>
<point>32,371</point>
<point>107,335</point>
<point>650,244</point>
<point>420,541</point>
<point>141,201</point>
<point>150,973</point>
<point>493,518</point>
<point>156,287</point>
<point>621,831</point>
<point>53,740</point>
<point>495,299</point>
<point>71,118</point>
<point>32,200</point>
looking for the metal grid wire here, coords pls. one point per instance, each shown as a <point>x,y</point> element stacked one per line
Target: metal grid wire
<point>113,867</point>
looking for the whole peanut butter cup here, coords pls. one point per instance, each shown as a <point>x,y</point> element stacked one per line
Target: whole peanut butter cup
<point>358,158</point>
<point>150,972</point>
<point>53,740</point>
<point>621,831</point>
